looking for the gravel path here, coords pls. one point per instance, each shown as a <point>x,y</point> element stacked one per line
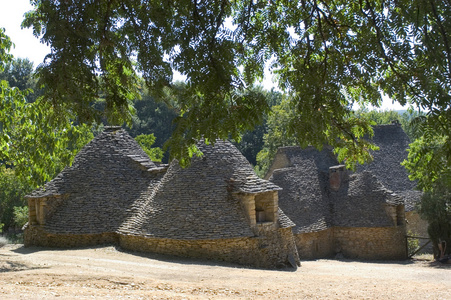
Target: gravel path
<point>105,273</point>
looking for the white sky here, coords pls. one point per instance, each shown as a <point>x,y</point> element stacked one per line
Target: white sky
<point>28,46</point>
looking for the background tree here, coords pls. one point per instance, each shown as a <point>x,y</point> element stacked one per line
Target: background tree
<point>12,192</point>
<point>20,215</point>
<point>155,115</point>
<point>146,141</point>
<point>18,73</point>
<point>429,164</point>
<point>277,135</point>
<point>379,117</point>
<point>435,207</point>
<point>405,118</point>
<point>252,141</point>
<point>35,140</point>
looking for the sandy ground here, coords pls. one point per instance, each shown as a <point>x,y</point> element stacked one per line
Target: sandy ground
<point>106,273</point>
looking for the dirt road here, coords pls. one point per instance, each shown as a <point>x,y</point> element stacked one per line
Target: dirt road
<point>105,273</point>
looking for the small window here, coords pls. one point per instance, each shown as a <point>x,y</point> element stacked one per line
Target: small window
<point>260,215</point>
<point>265,207</point>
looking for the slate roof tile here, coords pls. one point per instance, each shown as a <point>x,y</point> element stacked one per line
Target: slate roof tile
<point>393,143</point>
<point>303,175</point>
<point>102,186</point>
<point>197,202</point>
<point>304,197</point>
<point>113,186</point>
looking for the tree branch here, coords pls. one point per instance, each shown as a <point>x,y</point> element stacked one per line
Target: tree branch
<point>444,35</point>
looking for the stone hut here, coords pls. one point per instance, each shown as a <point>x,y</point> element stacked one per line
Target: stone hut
<point>336,212</point>
<point>216,209</point>
<point>87,203</point>
<point>393,143</point>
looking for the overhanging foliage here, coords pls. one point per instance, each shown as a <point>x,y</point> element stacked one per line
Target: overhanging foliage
<point>326,54</point>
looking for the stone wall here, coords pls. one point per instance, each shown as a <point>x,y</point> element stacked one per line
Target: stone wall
<point>352,242</point>
<point>276,247</point>
<point>315,244</point>
<point>36,236</point>
<point>270,251</point>
<point>371,243</point>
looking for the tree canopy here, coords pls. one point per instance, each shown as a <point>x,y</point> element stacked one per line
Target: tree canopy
<point>428,164</point>
<point>327,55</point>
<point>18,73</point>
<point>35,139</point>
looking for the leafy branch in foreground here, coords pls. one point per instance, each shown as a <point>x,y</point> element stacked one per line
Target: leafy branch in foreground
<point>36,140</point>
<point>146,141</point>
<point>327,55</point>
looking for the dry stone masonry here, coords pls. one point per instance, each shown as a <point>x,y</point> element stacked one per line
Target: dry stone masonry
<point>113,193</point>
<point>218,209</point>
<point>337,213</point>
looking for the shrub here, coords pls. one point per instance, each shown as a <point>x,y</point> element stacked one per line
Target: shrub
<point>3,241</point>
<point>12,193</point>
<point>412,243</point>
<point>20,215</point>
<point>435,207</point>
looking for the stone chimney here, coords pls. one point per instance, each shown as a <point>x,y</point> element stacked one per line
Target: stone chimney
<point>337,175</point>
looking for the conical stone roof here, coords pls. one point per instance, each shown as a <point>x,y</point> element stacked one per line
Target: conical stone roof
<point>198,202</point>
<point>386,165</point>
<point>304,179</point>
<point>105,185</point>
<point>308,200</point>
<point>362,201</point>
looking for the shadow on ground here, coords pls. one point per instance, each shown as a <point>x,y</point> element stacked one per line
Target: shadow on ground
<point>20,249</point>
